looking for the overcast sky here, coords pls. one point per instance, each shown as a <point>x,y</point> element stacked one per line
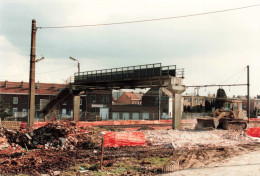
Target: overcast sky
<point>213,49</point>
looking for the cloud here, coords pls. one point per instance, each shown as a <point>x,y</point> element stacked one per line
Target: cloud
<point>13,65</point>
<point>210,47</point>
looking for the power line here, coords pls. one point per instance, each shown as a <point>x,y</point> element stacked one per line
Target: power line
<point>240,72</point>
<point>149,20</point>
<point>55,70</point>
<point>7,76</point>
<point>218,85</point>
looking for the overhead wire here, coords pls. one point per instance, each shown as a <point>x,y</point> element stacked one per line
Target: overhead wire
<point>233,75</point>
<point>55,70</point>
<point>7,76</point>
<point>149,20</point>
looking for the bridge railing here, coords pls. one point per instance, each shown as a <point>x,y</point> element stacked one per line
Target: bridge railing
<point>69,80</point>
<point>125,73</point>
<point>180,72</point>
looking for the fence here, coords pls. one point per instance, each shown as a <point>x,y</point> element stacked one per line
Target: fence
<point>122,116</point>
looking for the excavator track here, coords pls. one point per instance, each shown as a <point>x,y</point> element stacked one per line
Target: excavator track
<point>235,125</point>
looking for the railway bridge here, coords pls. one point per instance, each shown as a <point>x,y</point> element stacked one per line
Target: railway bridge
<point>139,76</point>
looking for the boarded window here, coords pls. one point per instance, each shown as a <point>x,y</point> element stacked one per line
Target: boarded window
<point>15,100</point>
<point>92,98</point>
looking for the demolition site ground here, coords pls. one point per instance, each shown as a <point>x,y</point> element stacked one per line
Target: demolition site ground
<point>61,148</point>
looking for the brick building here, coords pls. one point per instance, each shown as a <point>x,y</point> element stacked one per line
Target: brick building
<point>130,98</point>
<point>15,97</point>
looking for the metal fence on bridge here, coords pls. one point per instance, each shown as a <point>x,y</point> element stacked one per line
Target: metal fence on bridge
<point>125,73</point>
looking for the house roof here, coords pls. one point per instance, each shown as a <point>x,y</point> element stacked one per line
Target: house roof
<point>127,96</point>
<point>138,95</point>
<point>131,95</point>
<point>7,87</point>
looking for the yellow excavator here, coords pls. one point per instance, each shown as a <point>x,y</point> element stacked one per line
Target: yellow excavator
<point>228,114</point>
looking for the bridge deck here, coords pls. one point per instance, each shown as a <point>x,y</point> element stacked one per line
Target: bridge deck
<point>132,73</point>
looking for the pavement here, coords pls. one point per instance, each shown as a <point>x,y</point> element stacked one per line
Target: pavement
<point>243,165</point>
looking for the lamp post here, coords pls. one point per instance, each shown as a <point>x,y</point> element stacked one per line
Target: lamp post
<point>38,60</point>
<point>78,64</point>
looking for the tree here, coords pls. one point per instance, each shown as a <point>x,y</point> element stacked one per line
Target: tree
<point>208,107</point>
<point>4,110</point>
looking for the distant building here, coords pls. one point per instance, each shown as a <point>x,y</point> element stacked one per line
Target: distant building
<point>15,96</point>
<point>196,103</point>
<point>254,103</point>
<point>159,97</point>
<point>130,98</point>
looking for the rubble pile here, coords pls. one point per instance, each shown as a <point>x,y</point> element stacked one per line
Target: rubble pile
<point>195,139</point>
<point>54,134</point>
<point>59,135</point>
<point>49,149</point>
<point>11,142</point>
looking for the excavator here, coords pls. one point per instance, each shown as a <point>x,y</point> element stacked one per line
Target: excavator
<point>227,115</point>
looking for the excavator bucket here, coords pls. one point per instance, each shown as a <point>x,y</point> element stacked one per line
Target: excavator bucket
<point>207,122</point>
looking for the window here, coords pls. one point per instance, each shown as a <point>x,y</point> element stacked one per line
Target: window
<point>15,110</point>
<point>24,112</point>
<point>80,101</point>
<point>240,106</point>
<point>201,101</point>
<point>196,100</point>
<point>188,99</point>
<point>235,107</point>
<point>15,100</point>
<point>92,98</point>
<point>64,111</point>
<point>104,99</point>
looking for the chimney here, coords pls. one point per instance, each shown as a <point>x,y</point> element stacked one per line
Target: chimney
<point>5,84</point>
<point>21,86</point>
<point>37,85</point>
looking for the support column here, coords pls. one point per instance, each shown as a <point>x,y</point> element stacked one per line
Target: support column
<point>175,84</point>
<point>177,110</point>
<point>76,107</point>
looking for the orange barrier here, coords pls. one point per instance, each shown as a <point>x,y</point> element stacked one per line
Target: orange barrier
<point>117,139</point>
<point>23,125</point>
<point>254,132</point>
<point>255,119</point>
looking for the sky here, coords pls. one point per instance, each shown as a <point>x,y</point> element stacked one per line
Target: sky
<point>213,48</point>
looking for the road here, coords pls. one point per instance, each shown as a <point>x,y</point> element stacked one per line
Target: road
<point>242,165</point>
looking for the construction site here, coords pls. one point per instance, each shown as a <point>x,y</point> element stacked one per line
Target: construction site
<point>128,146</point>
<point>120,147</point>
<point>129,109</point>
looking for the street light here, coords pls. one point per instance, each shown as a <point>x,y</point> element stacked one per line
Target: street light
<point>78,63</point>
<point>38,60</point>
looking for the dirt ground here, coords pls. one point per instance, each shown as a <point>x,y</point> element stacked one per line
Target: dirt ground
<point>168,152</point>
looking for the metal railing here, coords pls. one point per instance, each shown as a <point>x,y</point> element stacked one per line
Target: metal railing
<point>125,73</point>
<point>180,72</point>
<point>122,116</point>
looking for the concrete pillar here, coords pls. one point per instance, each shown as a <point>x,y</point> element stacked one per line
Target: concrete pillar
<point>175,84</point>
<point>177,106</point>
<point>76,107</point>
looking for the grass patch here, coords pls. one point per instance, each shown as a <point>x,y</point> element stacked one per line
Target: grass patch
<point>157,161</point>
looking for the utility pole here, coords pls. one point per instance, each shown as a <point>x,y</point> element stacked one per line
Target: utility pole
<point>248,94</point>
<point>30,123</point>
